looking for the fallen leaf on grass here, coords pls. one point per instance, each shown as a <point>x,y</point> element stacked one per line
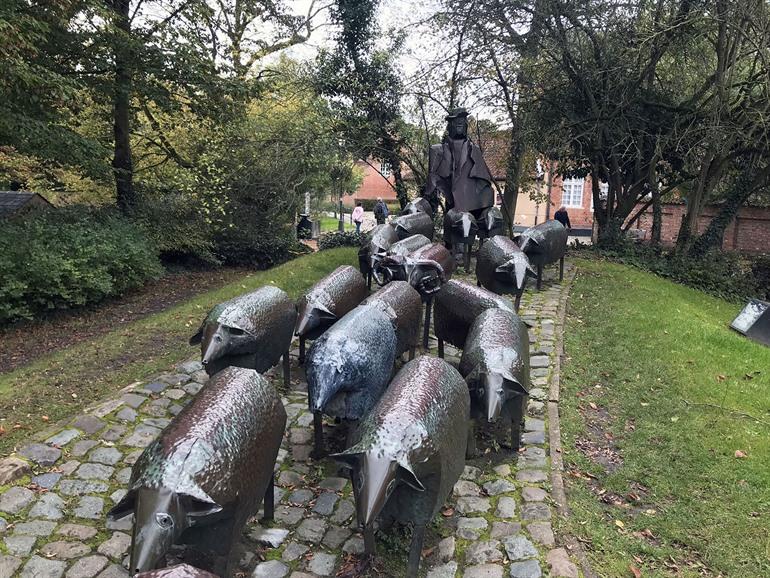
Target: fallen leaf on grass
<point>619,524</point>
<point>448,512</point>
<point>635,571</point>
<point>740,454</point>
<point>593,405</point>
<point>721,377</point>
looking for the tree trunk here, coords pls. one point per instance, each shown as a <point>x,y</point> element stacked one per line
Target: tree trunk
<point>122,163</point>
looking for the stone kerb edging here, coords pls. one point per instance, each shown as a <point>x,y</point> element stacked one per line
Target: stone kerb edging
<point>554,433</point>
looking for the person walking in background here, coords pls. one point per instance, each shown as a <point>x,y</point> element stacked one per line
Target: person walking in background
<point>380,211</point>
<point>562,216</point>
<point>358,216</point>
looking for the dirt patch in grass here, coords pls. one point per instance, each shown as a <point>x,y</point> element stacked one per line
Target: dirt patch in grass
<point>24,342</point>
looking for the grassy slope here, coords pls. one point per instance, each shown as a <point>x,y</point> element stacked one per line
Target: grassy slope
<point>61,384</point>
<point>649,344</point>
<point>330,224</point>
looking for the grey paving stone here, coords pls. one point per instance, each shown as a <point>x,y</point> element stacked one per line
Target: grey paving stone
<point>525,569</point>
<point>533,437</point>
<point>159,422</point>
<point>532,424</point>
<point>113,433</point>
<point>335,537</point>
<point>497,487</point>
<point>175,393</point>
<point>193,387</point>
<point>63,437</point>
<point>92,471</point>
<point>305,419</point>
<point>503,529</point>
<point>116,546</point>
<point>49,506</point>
<point>447,570</point>
<point>156,387</point>
<point>312,530</point>
<point>131,457</point>
<point>470,528</point>
<point>9,565</point>
<point>293,551</point>
<point>174,378</point>
<point>506,507</point>
<point>123,476</point>
<point>107,407</point>
<point>106,455</point>
<point>300,496</point>
<point>15,499</point>
<point>190,366</point>
<point>483,552</point>
<point>531,476</point>
<point>301,453</point>
<point>127,414</point>
<point>82,447</point>
<point>354,545</point>
<point>468,505</point>
<point>35,528</point>
<point>271,569</point>
<point>322,564</point>
<point>3,525</point>
<point>502,470</point>
<point>87,567</point>
<point>19,545</point>
<point>113,571</point>
<point>519,548</point>
<point>334,484</point>
<point>300,435</point>
<point>289,478</point>
<point>62,550</point>
<point>289,515</point>
<point>41,454</point>
<point>142,436</point>
<point>12,469</point>
<point>535,407</point>
<point>484,571</point>
<point>539,361</point>
<point>88,424</point>
<point>560,565</point>
<point>537,393</point>
<point>345,510</point>
<point>324,505</point>
<point>38,567</point>
<point>535,511</point>
<point>272,537</point>
<point>133,400</point>
<point>530,494</point>
<point>89,507</point>
<point>470,473</point>
<point>466,488</point>
<point>542,533</point>
<point>77,531</point>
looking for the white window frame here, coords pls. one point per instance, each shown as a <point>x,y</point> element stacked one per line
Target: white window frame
<point>569,189</point>
<point>385,169</point>
<point>604,189</point>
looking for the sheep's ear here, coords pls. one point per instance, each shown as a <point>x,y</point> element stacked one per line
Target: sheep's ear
<point>196,339</point>
<point>124,507</point>
<point>347,459</point>
<point>197,508</point>
<point>407,476</point>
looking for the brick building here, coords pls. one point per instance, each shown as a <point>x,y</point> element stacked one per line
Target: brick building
<point>376,183</point>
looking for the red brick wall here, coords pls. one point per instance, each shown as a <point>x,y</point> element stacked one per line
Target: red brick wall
<point>374,185</point>
<point>748,233</point>
<point>580,217</point>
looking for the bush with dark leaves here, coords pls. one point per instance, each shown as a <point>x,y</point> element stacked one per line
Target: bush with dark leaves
<point>340,239</point>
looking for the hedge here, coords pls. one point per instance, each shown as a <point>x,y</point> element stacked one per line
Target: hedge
<point>69,257</point>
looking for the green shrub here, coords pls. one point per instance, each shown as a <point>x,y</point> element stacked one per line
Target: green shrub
<point>246,242</point>
<point>178,228</point>
<point>70,257</point>
<point>760,268</point>
<point>337,239</point>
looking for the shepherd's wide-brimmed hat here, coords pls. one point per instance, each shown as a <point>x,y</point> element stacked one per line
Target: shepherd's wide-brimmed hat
<point>456,112</point>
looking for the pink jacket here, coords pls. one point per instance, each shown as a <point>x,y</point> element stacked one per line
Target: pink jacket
<point>358,214</point>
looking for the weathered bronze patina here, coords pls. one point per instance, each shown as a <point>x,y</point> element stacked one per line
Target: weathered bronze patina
<point>391,266</point>
<point>349,367</point>
<point>418,205</point>
<point>413,224</point>
<point>327,301</point>
<point>502,267</point>
<point>490,223</point>
<point>544,243</point>
<point>460,231</point>
<point>376,243</point>
<point>409,451</point>
<point>456,308</point>
<point>178,571</point>
<point>250,331</point>
<point>207,473</point>
<point>456,169</point>
<point>495,364</point>
<point>403,306</point>
<point>428,268</point>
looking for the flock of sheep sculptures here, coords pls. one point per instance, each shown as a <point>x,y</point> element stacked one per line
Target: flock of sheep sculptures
<point>213,466</point>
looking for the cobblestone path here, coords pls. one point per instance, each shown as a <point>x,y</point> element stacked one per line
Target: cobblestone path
<point>498,522</point>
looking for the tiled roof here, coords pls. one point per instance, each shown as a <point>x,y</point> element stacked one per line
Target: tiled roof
<point>12,201</point>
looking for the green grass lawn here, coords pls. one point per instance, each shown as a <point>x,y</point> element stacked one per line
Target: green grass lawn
<point>331,224</point>
<point>650,455</point>
<point>62,384</point>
